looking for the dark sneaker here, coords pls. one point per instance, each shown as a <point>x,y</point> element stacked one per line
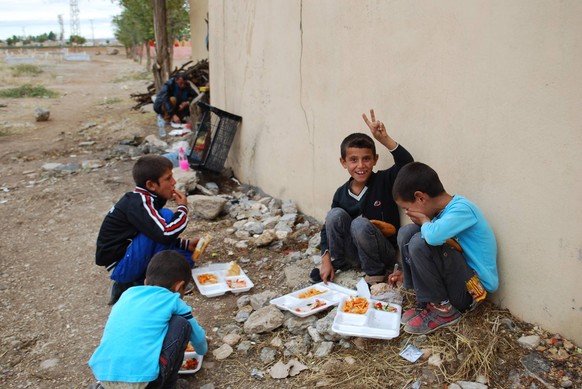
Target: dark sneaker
<point>412,313</point>
<point>431,319</point>
<point>189,288</point>
<point>117,289</point>
<point>315,277</point>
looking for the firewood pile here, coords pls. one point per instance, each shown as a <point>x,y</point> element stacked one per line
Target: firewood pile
<point>197,74</point>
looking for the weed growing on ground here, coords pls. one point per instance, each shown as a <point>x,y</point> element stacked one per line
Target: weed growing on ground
<point>134,76</point>
<point>25,69</point>
<point>28,90</point>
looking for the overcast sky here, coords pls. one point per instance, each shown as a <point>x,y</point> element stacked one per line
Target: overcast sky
<point>34,17</point>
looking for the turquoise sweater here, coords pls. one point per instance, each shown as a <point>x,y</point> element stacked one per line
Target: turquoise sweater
<point>463,221</point>
<point>132,340</point>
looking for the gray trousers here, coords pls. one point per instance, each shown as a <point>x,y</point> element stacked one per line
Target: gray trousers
<point>437,273</point>
<point>358,243</point>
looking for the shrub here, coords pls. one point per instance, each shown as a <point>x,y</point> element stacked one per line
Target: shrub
<point>28,90</point>
<point>25,69</point>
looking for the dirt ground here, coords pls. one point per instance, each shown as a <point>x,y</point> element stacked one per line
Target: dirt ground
<point>53,304</point>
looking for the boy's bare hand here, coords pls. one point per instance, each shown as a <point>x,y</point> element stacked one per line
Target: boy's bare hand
<point>326,272</point>
<point>417,218</point>
<point>192,243</point>
<point>378,130</point>
<point>180,198</point>
<point>396,278</point>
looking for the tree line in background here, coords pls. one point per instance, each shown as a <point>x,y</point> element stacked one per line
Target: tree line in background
<point>42,38</point>
<point>156,23</point>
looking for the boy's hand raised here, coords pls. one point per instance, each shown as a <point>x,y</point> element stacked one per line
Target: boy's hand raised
<point>180,198</point>
<point>379,131</point>
<point>417,218</point>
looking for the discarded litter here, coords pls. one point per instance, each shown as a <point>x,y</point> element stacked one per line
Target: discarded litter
<point>411,353</point>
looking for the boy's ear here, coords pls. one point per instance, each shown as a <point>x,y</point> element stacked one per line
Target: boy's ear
<point>152,186</point>
<point>343,162</point>
<point>418,195</point>
<point>178,286</point>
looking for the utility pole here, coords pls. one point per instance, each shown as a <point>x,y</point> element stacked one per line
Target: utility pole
<point>92,32</point>
<point>75,24</point>
<point>62,25</point>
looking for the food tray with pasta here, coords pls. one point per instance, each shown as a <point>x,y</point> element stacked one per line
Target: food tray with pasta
<point>367,318</point>
<point>218,278</point>
<point>313,299</point>
<point>191,364</point>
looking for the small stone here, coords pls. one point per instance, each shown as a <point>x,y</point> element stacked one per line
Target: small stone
<point>435,360</point>
<point>279,370</point>
<point>41,114</point>
<point>267,355</point>
<point>257,374</point>
<point>277,342</point>
<point>231,339</point>
<point>350,360</point>
<point>205,386</point>
<point>530,342</point>
<point>295,367</point>
<point>324,349</point>
<point>222,352</point>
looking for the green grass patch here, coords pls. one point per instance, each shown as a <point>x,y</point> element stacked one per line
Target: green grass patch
<point>28,90</point>
<point>25,69</point>
<point>134,76</point>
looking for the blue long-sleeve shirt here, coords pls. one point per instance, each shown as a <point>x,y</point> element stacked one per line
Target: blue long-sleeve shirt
<point>464,221</point>
<point>132,340</point>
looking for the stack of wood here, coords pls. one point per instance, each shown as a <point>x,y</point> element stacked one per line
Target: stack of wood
<point>197,74</point>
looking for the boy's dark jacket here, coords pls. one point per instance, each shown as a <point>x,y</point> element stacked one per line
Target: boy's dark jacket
<point>169,89</point>
<point>137,212</point>
<point>377,203</point>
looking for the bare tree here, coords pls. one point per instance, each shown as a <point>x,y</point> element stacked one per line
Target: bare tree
<point>162,66</point>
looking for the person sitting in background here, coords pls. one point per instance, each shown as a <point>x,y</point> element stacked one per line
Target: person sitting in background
<point>173,100</point>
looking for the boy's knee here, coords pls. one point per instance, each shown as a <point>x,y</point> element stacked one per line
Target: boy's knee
<point>361,228</point>
<point>406,233</point>
<point>336,214</point>
<point>417,244</point>
<point>178,322</point>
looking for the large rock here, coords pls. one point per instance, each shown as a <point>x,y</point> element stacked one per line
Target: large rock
<point>207,207</point>
<point>186,181</point>
<point>265,319</point>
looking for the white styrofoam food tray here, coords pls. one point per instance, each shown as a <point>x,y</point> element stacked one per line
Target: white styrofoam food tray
<point>302,307</point>
<point>191,355</point>
<point>375,323</point>
<point>234,284</point>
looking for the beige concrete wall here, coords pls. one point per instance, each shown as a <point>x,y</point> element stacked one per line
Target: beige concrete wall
<point>489,93</point>
<point>198,12</point>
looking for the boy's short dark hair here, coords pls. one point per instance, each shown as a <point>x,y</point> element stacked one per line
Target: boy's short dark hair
<point>166,268</point>
<point>416,176</point>
<point>359,141</point>
<point>150,168</point>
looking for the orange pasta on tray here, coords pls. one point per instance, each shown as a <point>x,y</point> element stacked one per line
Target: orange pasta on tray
<point>358,305</point>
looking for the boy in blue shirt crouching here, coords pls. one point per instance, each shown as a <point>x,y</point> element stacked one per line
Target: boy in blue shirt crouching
<point>148,329</point>
<point>448,253</point>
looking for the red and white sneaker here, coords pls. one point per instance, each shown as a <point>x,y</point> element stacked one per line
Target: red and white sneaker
<point>432,318</point>
<point>413,312</point>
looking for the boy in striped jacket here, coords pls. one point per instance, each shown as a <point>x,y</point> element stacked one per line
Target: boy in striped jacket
<point>138,226</point>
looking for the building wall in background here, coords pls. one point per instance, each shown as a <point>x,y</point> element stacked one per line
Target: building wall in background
<point>489,93</point>
<point>198,12</point>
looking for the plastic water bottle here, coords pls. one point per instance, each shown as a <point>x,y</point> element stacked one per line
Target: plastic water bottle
<point>161,126</point>
<point>184,165</point>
